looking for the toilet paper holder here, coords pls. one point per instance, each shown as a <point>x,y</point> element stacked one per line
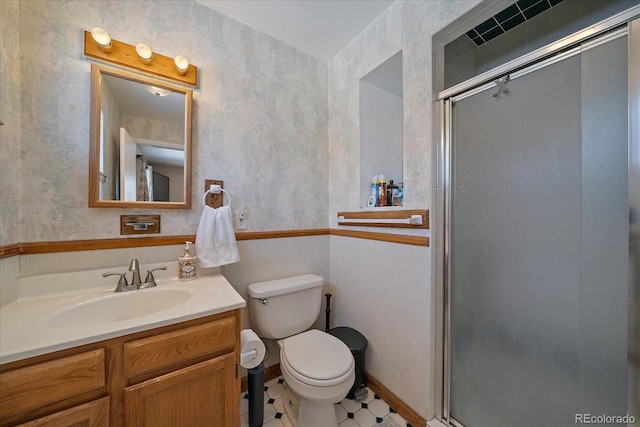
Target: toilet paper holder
<point>252,354</point>
<point>252,349</point>
<point>246,356</point>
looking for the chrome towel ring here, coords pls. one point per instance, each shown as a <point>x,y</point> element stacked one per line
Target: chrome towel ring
<point>216,189</point>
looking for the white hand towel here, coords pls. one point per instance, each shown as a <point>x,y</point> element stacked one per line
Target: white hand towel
<point>215,239</point>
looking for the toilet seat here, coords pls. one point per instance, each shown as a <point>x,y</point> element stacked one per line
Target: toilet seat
<point>317,358</point>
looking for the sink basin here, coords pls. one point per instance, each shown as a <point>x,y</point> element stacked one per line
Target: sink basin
<point>59,311</point>
<point>118,307</point>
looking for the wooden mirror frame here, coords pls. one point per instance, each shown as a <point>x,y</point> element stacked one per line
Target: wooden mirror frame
<point>94,144</point>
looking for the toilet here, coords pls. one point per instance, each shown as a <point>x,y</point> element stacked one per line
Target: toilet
<point>318,368</point>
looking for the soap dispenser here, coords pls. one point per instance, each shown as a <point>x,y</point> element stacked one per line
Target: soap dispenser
<point>187,264</point>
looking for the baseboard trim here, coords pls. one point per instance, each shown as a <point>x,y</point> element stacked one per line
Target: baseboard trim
<point>376,386</point>
<point>410,416</point>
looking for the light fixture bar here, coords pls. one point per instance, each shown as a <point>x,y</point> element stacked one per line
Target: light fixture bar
<point>125,55</point>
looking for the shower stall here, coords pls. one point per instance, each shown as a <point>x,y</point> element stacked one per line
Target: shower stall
<point>540,171</point>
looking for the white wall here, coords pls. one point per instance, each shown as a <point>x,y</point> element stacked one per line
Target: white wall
<point>9,273</point>
<point>383,290</point>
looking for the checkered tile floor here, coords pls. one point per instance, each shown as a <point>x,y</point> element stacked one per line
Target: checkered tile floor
<point>367,412</point>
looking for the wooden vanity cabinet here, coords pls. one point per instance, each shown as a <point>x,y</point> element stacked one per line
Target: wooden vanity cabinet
<point>168,389</point>
<point>199,395</point>
<point>182,374</point>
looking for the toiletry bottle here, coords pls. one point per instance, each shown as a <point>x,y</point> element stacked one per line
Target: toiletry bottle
<point>392,194</point>
<point>382,199</point>
<point>187,264</point>
<point>375,192</point>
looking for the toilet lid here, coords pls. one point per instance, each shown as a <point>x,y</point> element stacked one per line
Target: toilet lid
<point>317,355</point>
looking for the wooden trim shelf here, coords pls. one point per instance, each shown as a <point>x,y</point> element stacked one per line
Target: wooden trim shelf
<point>257,235</point>
<point>90,245</point>
<point>32,248</point>
<point>383,237</point>
<point>386,218</point>
<point>8,251</point>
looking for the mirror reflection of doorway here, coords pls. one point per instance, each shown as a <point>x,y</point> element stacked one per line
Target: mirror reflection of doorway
<point>160,187</point>
<point>128,169</point>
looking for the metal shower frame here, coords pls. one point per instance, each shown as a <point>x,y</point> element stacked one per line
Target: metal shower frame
<point>628,23</point>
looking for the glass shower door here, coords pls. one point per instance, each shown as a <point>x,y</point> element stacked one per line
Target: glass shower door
<point>539,245</point>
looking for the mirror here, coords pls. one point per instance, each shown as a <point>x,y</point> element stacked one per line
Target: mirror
<point>140,148</point>
<point>381,130</point>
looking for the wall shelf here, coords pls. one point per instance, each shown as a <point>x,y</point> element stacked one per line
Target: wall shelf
<point>409,218</point>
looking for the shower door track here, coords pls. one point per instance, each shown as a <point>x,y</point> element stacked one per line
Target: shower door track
<point>619,25</point>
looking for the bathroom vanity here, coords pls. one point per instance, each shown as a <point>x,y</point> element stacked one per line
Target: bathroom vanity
<point>178,366</point>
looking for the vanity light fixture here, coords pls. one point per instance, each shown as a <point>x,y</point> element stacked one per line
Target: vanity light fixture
<point>182,64</point>
<point>140,58</point>
<point>102,39</point>
<point>144,52</point>
<point>157,91</point>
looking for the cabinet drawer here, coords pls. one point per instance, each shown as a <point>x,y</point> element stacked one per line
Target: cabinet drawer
<point>35,386</point>
<point>92,414</point>
<point>174,349</point>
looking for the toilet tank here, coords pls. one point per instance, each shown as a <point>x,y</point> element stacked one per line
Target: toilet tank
<point>284,307</point>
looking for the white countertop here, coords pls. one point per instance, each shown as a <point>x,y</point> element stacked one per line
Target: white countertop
<point>27,328</point>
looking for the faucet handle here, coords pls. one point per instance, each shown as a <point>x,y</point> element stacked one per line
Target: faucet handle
<point>150,281</point>
<point>123,285</point>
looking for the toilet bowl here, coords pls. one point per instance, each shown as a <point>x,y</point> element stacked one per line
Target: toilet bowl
<point>319,371</point>
<point>318,368</point>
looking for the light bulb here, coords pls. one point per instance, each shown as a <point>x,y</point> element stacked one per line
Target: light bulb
<point>182,64</point>
<point>102,39</point>
<point>144,52</point>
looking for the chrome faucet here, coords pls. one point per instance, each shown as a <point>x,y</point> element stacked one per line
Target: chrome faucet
<point>134,267</point>
<point>123,285</point>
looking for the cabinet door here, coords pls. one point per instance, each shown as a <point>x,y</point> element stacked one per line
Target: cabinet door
<point>92,414</point>
<point>203,394</point>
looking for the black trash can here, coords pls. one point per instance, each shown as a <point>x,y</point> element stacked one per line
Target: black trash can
<point>357,343</point>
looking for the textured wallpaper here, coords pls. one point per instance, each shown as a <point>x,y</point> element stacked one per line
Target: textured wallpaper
<point>277,125</point>
<point>405,26</point>
<point>259,118</point>
<point>10,115</point>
